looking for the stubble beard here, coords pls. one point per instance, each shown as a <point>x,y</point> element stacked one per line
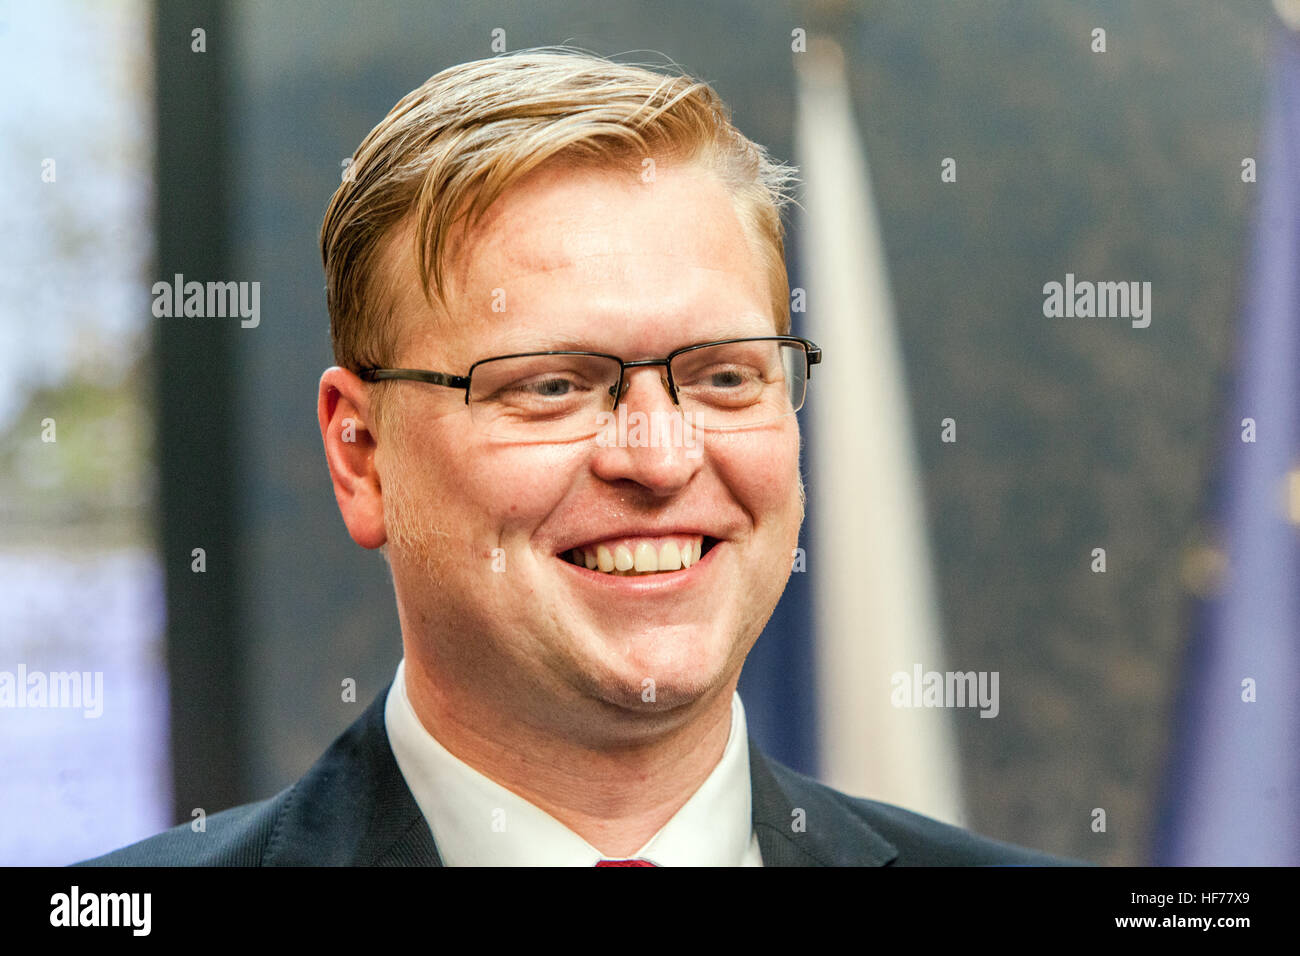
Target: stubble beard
<point>410,533</point>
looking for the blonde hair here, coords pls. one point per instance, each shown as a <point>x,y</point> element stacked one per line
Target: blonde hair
<point>450,147</point>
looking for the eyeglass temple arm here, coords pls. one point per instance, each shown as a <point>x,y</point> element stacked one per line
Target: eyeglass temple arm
<point>415,375</point>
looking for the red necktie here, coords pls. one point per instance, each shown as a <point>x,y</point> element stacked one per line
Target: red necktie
<point>625,863</point>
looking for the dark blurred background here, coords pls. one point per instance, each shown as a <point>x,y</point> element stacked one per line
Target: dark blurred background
<point>178,434</point>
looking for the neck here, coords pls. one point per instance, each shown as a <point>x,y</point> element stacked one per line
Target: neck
<point>615,792</point>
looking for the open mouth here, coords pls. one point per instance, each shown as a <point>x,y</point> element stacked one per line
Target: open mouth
<point>632,557</point>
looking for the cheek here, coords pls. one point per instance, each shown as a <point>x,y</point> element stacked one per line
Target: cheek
<point>473,490</point>
<point>513,487</point>
<point>761,469</point>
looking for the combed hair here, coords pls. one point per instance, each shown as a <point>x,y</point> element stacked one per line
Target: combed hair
<point>449,148</point>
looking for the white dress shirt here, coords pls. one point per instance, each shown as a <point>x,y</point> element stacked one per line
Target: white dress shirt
<point>477,822</point>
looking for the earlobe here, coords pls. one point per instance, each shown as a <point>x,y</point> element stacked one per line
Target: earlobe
<point>343,412</point>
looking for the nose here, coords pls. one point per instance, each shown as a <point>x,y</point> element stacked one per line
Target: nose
<point>652,444</point>
<point>632,374</point>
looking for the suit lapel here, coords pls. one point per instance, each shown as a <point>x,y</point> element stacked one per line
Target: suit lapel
<point>800,822</point>
<point>353,807</point>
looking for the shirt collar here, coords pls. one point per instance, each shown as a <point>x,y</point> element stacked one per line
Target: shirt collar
<point>477,822</point>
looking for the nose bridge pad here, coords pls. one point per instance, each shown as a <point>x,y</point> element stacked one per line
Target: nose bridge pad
<point>663,380</point>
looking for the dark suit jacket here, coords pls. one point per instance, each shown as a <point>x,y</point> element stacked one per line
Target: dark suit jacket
<point>353,808</point>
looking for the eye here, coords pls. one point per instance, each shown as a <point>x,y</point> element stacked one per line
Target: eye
<point>549,387</point>
<point>729,378</point>
<point>545,392</point>
<point>723,377</point>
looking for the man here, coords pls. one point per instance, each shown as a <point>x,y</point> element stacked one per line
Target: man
<point>564,408</point>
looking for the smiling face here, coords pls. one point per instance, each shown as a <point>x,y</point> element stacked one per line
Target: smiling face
<point>482,532</point>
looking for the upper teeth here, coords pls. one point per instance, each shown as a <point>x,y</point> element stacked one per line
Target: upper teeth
<point>640,556</point>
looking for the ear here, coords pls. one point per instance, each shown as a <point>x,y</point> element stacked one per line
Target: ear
<point>343,409</point>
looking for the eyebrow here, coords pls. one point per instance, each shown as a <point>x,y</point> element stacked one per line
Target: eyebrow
<point>511,345</point>
<point>545,344</point>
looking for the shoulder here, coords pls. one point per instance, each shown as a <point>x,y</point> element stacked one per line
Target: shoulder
<point>924,841</point>
<point>837,823</point>
<point>239,836</point>
<point>352,807</point>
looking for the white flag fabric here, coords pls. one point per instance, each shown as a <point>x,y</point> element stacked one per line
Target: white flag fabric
<point>874,596</point>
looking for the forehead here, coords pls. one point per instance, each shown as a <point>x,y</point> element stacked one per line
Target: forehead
<point>562,217</point>
<point>641,259</point>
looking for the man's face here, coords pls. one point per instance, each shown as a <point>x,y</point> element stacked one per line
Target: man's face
<point>481,531</point>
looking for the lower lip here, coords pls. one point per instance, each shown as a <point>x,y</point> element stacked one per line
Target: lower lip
<point>644,583</point>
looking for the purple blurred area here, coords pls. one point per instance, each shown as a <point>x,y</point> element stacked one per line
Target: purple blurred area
<point>75,785</point>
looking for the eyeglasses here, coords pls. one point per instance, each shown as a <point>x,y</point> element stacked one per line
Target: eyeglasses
<point>568,395</point>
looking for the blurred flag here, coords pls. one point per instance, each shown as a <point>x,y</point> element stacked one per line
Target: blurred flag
<point>870,569</point>
<point>1233,789</point>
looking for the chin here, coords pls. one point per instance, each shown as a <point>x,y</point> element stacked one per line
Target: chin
<point>661,672</point>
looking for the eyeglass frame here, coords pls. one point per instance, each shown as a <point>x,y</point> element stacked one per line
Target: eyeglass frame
<point>812,356</point>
